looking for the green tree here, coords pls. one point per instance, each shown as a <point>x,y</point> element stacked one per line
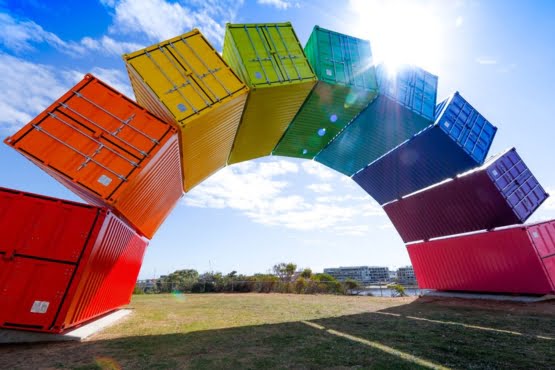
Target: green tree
<point>285,271</point>
<point>307,273</point>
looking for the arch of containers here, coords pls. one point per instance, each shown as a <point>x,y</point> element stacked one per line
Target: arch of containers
<point>196,111</point>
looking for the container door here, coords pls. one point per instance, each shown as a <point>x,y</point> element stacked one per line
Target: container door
<point>543,237</point>
<point>43,228</point>
<point>468,128</point>
<point>517,184</point>
<point>252,46</point>
<point>31,292</point>
<point>549,264</point>
<point>287,52</point>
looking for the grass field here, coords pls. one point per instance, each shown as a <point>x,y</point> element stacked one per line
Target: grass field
<point>261,331</point>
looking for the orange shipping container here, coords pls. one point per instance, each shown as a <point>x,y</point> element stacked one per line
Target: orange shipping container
<point>186,82</point>
<point>109,151</point>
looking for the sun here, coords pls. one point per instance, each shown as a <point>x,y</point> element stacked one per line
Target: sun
<point>400,32</point>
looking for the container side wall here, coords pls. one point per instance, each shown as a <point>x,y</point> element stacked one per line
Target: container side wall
<point>498,262</point>
<point>424,160</point>
<point>517,184</point>
<point>155,191</point>
<point>106,275</point>
<point>328,109</point>
<point>267,115</point>
<point>382,126</point>
<point>468,203</point>
<point>207,142</point>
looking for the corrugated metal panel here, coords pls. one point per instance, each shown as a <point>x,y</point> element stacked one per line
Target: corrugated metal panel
<point>500,261</point>
<point>43,292</point>
<point>32,225</point>
<point>106,275</point>
<point>410,86</point>
<point>382,126</point>
<point>435,154</point>
<point>270,59</point>
<point>328,109</point>
<point>265,119</point>
<point>470,202</point>
<point>186,82</point>
<point>101,143</point>
<point>206,143</point>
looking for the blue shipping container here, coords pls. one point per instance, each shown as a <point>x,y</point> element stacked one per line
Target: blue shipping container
<point>411,87</point>
<point>458,141</point>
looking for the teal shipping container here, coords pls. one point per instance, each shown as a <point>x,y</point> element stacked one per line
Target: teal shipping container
<point>403,108</point>
<point>347,84</point>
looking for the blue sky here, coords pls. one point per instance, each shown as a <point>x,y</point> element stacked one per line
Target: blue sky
<point>498,54</point>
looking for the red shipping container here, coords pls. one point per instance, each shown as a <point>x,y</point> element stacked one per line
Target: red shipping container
<point>515,259</point>
<point>62,263</point>
<point>109,151</point>
<point>502,192</point>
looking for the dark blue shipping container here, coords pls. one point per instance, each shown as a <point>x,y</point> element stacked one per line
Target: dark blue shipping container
<point>458,141</point>
<point>502,192</point>
<point>410,86</point>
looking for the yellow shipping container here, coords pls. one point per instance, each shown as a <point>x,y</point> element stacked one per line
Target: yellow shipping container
<point>186,82</point>
<point>270,59</point>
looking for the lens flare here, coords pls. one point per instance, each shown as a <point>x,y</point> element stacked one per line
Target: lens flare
<point>107,363</point>
<point>333,118</point>
<point>178,296</point>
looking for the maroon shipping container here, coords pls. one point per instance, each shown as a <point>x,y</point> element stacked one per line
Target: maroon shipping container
<point>515,259</point>
<point>62,263</point>
<point>501,192</point>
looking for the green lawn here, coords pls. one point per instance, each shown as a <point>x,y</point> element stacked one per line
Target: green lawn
<point>260,331</point>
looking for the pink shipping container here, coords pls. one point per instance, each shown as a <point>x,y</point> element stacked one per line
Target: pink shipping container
<point>515,259</point>
<point>502,192</point>
<point>62,263</point>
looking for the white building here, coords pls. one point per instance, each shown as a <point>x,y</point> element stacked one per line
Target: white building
<point>363,274</point>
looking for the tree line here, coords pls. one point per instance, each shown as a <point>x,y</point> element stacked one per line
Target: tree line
<point>284,278</point>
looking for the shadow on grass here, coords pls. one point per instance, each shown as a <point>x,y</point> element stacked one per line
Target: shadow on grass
<point>395,338</point>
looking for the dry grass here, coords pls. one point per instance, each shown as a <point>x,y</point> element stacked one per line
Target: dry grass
<point>260,331</point>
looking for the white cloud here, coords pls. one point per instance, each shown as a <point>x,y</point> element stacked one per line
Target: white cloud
<point>258,189</point>
<point>27,89</point>
<point>318,170</point>
<point>320,188</point>
<point>21,35</point>
<point>159,20</point>
<point>279,4</point>
<point>459,21</point>
<point>486,60</point>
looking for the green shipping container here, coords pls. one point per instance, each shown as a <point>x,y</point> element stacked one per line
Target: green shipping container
<point>270,60</point>
<point>347,84</point>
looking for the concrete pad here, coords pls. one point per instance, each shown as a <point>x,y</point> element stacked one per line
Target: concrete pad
<point>81,333</point>
<point>492,297</point>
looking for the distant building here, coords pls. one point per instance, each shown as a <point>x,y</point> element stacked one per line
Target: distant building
<point>392,275</point>
<point>147,284</point>
<point>405,275</point>
<point>363,274</point>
